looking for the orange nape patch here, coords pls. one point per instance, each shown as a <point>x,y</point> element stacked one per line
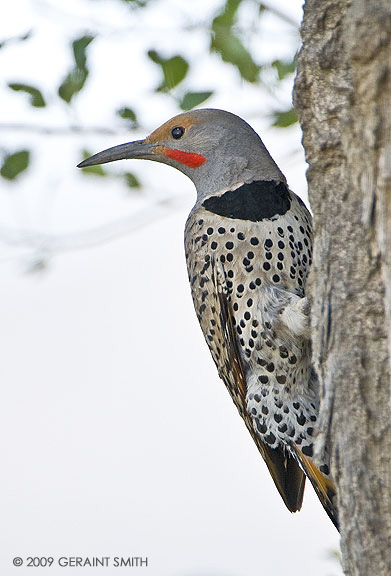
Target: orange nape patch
<point>190,159</point>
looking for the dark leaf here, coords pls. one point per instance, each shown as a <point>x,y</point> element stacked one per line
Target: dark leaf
<point>79,51</point>
<point>72,84</point>
<point>284,68</point>
<point>232,50</point>
<point>131,180</point>
<point>77,77</point>
<point>14,164</point>
<point>284,119</point>
<point>154,56</point>
<point>174,69</point>
<point>226,17</point>
<point>229,46</point>
<point>36,98</point>
<point>192,99</point>
<point>128,114</point>
<point>96,170</point>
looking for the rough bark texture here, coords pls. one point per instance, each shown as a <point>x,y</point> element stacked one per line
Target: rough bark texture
<point>343,96</point>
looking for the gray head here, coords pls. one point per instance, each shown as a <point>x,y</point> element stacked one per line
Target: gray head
<point>215,149</point>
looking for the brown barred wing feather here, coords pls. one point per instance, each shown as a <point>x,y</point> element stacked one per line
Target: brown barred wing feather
<point>284,469</point>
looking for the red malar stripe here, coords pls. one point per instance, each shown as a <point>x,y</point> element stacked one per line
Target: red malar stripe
<point>190,159</point>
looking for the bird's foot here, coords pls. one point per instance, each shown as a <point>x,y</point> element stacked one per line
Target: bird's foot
<point>296,316</point>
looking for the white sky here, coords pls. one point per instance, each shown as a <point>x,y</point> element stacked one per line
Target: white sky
<point>119,439</point>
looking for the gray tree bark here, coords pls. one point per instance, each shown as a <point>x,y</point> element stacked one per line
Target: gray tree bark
<point>343,96</point>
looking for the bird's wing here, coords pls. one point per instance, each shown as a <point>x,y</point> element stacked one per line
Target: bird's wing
<point>284,469</point>
<point>323,486</point>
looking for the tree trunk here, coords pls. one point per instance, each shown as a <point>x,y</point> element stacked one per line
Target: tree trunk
<point>343,96</point>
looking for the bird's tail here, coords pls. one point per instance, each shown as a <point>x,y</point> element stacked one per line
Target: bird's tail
<point>323,486</point>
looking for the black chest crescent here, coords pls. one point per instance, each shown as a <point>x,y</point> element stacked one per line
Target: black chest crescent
<point>256,201</point>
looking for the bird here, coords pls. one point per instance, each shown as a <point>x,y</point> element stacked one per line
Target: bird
<point>248,248</point>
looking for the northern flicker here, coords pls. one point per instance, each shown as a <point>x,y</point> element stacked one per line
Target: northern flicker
<point>248,244</point>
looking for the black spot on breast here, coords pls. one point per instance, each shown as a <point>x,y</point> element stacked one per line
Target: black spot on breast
<point>255,201</point>
<point>270,438</point>
<point>308,450</point>
<point>301,419</point>
<point>283,352</point>
<point>261,427</point>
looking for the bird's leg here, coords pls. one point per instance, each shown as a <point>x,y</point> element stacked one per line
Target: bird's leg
<point>296,316</point>
<point>286,310</point>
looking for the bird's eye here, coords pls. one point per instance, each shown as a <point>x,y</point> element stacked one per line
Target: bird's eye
<point>177,132</point>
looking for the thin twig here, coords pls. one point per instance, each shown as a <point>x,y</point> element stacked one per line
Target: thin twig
<point>51,243</point>
<point>71,129</point>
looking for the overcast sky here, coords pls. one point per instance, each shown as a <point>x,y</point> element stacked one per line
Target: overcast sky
<point>119,439</point>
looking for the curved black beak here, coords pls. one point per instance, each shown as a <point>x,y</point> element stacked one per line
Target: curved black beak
<point>137,149</point>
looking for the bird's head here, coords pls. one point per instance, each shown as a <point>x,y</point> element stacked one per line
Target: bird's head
<point>214,148</point>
